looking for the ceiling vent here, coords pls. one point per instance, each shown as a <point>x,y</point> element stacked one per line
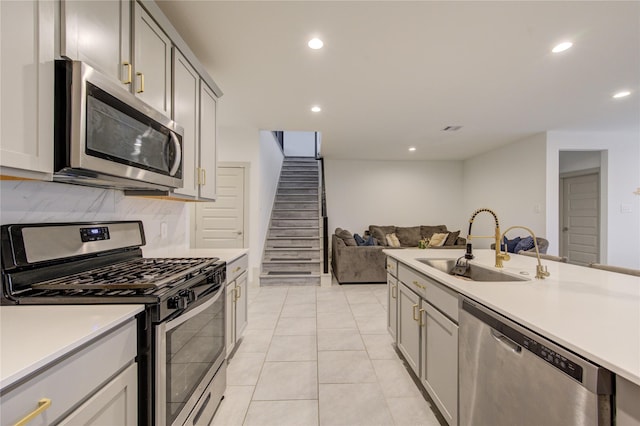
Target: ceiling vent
<point>452,128</point>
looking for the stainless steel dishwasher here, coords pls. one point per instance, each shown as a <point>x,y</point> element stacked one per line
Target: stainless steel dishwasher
<point>510,375</point>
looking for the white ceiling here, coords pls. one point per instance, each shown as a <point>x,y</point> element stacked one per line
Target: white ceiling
<point>392,74</point>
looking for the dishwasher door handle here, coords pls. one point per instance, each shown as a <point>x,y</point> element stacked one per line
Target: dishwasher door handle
<point>506,341</point>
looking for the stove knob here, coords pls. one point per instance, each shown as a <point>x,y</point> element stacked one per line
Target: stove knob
<point>176,302</point>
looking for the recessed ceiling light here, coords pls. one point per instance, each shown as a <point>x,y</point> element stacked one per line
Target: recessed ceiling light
<point>562,47</point>
<point>412,148</point>
<point>316,108</point>
<point>622,94</point>
<point>315,43</point>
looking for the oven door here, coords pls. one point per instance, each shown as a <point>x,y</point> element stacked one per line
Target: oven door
<point>190,349</point>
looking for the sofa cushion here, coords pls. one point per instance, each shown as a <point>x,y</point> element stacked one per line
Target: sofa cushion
<point>452,238</point>
<point>392,240</point>
<point>409,236</point>
<point>346,236</point>
<point>380,233</point>
<point>428,231</point>
<point>438,239</point>
<point>524,244</point>
<point>511,244</point>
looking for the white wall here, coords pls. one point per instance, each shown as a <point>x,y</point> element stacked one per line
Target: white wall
<point>401,193</point>
<point>509,180</point>
<point>299,144</point>
<point>35,202</point>
<point>620,171</point>
<point>243,144</point>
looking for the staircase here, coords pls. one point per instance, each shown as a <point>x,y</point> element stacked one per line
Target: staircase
<point>292,249</point>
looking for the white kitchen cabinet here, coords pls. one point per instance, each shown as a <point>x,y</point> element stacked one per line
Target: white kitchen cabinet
<point>392,306</point>
<point>237,301</point>
<point>27,34</point>
<point>106,386</point>
<point>408,338</point>
<point>439,370</point>
<point>98,33</point>
<point>186,112</point>
<point>114,404</point>
<point>152,62</point>
<point>208,147</point>
<point>194,108</point>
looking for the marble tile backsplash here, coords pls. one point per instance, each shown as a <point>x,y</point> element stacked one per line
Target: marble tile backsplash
<point>34,202</point>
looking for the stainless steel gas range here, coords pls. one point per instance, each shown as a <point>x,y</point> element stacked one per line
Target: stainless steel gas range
<point>181,342</point>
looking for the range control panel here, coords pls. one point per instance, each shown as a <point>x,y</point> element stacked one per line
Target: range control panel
<point>97,233</point>
<point>553,358</point>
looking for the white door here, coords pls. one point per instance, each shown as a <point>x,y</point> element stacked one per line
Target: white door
<point>581,219</point>
<point>221,224</point>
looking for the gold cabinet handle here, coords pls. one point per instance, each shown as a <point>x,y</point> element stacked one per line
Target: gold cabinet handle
<point>43,404</point>
<point>236,269</point>
<point>238,292</point>
<point>415,316</point>
<point>420,322</point>
<point>141,89</point>
<point>198,176</point>
<point>417,284</point>
<point>204,177</point>
<point>394,294</point>
<point>128,80</point>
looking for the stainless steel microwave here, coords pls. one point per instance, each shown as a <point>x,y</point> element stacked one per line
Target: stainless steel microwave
<point>106,137</point>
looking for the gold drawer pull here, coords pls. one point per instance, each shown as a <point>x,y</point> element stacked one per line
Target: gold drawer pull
<point>415,316</point>
<point>236,269</point>
<point>417,284</point>
<point>128,80</point>
<point>43,404</point>
<point>141,89</point>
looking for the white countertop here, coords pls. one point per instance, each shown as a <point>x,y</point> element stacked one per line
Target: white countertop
<point>227,255</point>
<point>34,336</point>
<point>591,312</point>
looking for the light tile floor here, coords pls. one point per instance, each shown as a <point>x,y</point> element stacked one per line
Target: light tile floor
<point>319,356</point>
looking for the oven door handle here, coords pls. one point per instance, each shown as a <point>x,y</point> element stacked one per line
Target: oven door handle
<point>190,313</point>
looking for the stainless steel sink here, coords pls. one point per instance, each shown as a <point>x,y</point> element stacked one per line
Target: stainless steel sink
<point>474,273</point>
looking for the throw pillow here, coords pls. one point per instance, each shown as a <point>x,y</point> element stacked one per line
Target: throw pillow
<point>392,240</point>
<point>380,233</point>
<point>438,239</point>
<point>409,237</point>
<point>370,241</point>
<point>452,238</point>
<point>524,245</point>
<point>346,236</point>
<point>511,244</point>
<point>359,240</point>
<point>428,231</point>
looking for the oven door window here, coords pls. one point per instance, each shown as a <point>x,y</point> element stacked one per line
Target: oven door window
<point>192,349</point>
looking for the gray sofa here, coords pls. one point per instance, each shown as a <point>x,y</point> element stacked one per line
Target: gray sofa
<point>366,264</point>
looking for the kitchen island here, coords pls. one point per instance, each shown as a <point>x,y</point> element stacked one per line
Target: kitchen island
<point>593,313</point>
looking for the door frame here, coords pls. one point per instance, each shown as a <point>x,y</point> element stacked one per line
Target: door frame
<point>246,172</point>
<point>578,173</point>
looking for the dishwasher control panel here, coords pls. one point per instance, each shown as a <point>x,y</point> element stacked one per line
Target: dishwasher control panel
<point>553,358</point>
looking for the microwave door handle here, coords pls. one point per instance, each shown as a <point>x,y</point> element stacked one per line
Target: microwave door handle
<point>178,159</point>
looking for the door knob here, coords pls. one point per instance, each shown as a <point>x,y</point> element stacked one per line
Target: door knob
<point>239,232</point>
<point>565,229</point>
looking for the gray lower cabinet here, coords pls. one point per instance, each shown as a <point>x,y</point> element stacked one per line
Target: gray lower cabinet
<point>427,336</point>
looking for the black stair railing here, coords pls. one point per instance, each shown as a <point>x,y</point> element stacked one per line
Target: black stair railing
<point>325,220</point>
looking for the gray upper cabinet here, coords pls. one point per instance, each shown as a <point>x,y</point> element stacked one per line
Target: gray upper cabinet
<point>98,33</point>
<point>27,34</point>
<point>208,150</point>
<point>152,62</point>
